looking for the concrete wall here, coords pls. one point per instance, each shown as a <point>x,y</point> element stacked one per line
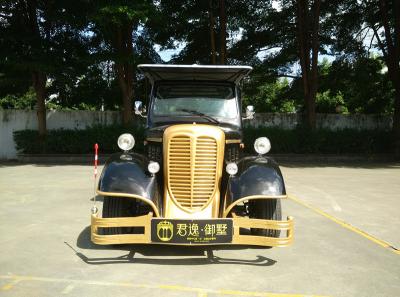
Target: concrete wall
<point>13,120</point>
<point>328,121</point>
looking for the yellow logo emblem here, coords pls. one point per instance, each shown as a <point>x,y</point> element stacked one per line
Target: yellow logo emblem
<point>165,230</point>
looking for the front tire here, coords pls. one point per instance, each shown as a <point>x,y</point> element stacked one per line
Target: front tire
<point>266,209</point>
<point>114,207</point>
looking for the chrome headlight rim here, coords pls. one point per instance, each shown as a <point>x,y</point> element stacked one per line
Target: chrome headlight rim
<point>126,142</point>
<point>262,145</point>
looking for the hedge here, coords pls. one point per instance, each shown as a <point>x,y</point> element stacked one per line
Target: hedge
<point>321,141</point>
<point>63,141</point>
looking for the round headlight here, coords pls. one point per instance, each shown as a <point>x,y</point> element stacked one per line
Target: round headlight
<point>262,145</point>
<point>231,168</point>
<point>126,142</point>
<point>153,167</point>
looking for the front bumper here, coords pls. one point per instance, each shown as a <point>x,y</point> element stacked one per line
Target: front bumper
<point>286,228</point>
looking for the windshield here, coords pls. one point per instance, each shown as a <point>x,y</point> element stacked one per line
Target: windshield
<point>214,100</point>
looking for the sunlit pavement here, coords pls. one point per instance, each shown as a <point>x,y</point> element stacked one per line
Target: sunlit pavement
<point>344,216</point>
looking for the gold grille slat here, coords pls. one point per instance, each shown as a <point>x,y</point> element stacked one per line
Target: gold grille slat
<point>178,191</point>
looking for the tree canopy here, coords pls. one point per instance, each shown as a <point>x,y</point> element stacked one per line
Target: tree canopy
<point>308,55</point>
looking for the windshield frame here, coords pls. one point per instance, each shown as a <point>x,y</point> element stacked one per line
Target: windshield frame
<point>155,120</point>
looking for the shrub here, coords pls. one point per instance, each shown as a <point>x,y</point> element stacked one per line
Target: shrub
<point>63,141</point>
<point>321,141</point>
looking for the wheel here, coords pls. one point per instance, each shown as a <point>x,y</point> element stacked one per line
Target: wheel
<point>118,207</point>
<point>267,209</point>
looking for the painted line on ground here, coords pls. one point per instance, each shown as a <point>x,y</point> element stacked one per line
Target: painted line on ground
<point>201,292</point>
<point>10,285</point>
<point>68,289</point>
<point>346,225</point>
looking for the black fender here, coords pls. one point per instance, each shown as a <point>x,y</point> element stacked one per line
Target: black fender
<point>257,176</point>
<point>126,173</point>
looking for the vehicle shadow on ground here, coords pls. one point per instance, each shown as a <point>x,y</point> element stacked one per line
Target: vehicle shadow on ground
<point>167,255</point>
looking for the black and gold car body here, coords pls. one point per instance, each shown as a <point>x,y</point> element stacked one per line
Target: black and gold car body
<point>192,200</point>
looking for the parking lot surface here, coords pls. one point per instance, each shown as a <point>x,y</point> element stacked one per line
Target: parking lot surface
<point>346,240</point>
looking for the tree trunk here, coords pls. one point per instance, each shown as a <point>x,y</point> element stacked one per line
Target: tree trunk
<point>212,33</point>
<point>124,70</point>
<point>222,24</point>
<point>392,58</point>
<point>313,84</point>
<point>396,121</point>
<point>308,43</point>
<point>303,53</point>
<point>38,77</point>
<point>39,84</point>
<point>394,73</point>
<point>396,83</point>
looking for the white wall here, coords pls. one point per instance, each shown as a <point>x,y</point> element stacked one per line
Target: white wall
<point>327,121</point>
<point>13,120</point>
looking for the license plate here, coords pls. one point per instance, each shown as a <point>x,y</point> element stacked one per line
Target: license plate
<point>191,231</point>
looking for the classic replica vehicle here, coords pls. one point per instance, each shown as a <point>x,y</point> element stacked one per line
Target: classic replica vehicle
<point>192,186</point>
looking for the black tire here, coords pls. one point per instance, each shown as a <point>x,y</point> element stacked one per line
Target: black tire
<point>114,207</point>
<point>267,209</point>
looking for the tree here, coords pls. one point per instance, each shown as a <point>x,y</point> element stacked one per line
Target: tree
<point>382,18</point>
<point>116,23</point>
<point>26,40</point>
<point>364,85</point>
<point>201,26</point>
<point>35,38</point>
<point>307,22</point>
<point>212,32</point>
<point>222,33</point>
<point>389,12</point>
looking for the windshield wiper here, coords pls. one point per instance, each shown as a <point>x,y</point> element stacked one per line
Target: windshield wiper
<point>195,112</point>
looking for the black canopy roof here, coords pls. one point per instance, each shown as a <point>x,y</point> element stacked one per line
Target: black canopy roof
<point>160,72</point>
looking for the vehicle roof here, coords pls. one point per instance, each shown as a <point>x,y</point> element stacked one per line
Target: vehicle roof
<point>161,72</point>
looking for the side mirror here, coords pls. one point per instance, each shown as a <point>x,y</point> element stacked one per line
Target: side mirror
<point>139,109</point>
<point>249,112</point>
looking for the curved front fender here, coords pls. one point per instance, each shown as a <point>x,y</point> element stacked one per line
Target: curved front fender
<point>127,174</point>
<point>257,177</point>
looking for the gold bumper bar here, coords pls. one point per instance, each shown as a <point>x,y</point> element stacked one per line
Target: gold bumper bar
<point>237,238</point>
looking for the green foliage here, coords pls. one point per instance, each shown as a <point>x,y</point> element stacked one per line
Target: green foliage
<point>327,103</point>
<point>363,84</point>
<point>346,86</point>
<point>25,101</point>
<point>283,141</point>
<point>302,141</point>
<point>271,97</point>
<point>76,46</point>
<point>63,141</point>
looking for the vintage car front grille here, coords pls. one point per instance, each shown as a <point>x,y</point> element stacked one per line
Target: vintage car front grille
<point>192,170</point>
